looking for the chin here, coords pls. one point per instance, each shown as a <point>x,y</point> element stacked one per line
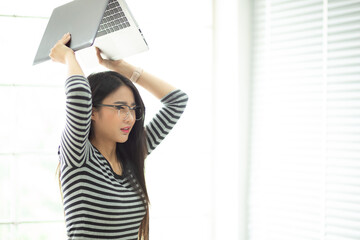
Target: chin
<point>122,140</point>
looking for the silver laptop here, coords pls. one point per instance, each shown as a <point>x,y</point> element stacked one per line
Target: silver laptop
<point>107,24</point>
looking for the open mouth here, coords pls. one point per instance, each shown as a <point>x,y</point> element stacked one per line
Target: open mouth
<point>125,130</point>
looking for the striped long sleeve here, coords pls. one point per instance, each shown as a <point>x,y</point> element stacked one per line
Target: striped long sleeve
<point>160,126</point>
<point>98,203</point>
<point>78,119</point>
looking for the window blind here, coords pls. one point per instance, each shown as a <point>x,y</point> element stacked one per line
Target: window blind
<point>343,116</point>
<point>305,133</point>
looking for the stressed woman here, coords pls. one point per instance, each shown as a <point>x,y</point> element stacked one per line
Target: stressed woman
<point>105,143</point>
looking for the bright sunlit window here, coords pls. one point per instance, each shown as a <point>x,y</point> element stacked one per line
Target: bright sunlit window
<point>305,155</point>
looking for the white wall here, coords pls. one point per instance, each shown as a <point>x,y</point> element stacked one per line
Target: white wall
<point>231,76</point>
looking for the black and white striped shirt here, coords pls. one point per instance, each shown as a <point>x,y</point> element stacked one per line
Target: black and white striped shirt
<point>98,203</point>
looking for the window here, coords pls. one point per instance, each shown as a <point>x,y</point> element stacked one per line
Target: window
<point>305,158</point>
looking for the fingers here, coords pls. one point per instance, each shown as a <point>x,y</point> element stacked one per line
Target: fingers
<point>98,51</point>
<point>101,60</point>
<point>60,51</point>
<point>65,39</point>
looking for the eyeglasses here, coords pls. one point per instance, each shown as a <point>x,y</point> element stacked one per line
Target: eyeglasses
<point>124,110</point>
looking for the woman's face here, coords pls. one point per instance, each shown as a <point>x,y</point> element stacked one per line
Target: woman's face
<point>108,124</point>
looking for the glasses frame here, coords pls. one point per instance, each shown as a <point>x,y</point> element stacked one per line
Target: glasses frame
<point>118,108</point>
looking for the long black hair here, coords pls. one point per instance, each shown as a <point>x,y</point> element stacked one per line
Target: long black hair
<point>133,152</point>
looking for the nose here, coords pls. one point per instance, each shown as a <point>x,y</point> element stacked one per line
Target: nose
<point>129,117</point>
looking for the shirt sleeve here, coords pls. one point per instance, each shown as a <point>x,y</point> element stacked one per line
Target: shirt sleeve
<point>74,144</point>
<point>160,126</point>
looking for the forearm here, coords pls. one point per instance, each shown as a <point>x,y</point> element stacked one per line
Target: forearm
<point>63,54</point>
<point>73,65</point>
<point>154,85</point>
<point>159,127</point>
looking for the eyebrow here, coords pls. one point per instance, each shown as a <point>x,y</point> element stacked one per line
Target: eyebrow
<point>124,103</point>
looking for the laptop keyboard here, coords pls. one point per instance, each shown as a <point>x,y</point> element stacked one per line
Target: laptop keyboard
<point>113,20</point>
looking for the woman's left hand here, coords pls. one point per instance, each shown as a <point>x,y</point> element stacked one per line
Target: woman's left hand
<point>114,65</point>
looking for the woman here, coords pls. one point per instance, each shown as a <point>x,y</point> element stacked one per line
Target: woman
<point>104,144</point>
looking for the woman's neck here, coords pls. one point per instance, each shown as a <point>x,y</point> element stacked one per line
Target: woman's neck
<point>106,148</point>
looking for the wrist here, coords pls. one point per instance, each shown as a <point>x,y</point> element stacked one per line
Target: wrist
<point>136,74</point>
<point>125,69</point>
<point>73,65</point>
<point>70,57</point>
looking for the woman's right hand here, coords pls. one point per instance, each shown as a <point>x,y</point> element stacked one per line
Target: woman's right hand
<point>60,52</point>
<point>63,54</point>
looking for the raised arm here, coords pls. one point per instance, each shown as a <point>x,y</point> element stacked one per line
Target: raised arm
<point>161,124</point>
<point>65,55</point>
<point>174,100</point>
<point>78,106</point>
<point>154,85</point>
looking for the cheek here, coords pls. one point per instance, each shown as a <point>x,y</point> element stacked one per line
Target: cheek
<point>114,121</point>
<point>133,123</point>
<point>110,121</point>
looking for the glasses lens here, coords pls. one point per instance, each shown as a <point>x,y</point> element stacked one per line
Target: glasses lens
<point>135,112</point>
<point>123,110</point>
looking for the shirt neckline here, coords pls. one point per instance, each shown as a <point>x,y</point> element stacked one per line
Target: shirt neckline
<point>117,176</point>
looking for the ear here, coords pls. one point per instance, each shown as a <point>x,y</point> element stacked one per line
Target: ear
<point>94,114</point>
